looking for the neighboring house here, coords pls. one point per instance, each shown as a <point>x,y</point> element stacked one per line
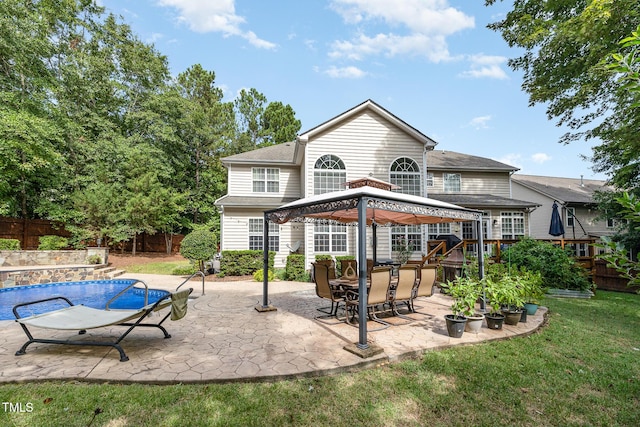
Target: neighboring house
<point>577,207</point>
<point>366,140</point>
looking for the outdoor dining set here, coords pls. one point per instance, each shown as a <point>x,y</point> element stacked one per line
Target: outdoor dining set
<point>387,287</point>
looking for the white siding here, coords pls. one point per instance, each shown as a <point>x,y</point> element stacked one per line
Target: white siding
<point>367,144</point>
<point>494,183</point>
<point>236,233</point>
<point>241,181</point>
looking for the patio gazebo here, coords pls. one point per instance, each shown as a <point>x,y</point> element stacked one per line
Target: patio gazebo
<point>366,202</point>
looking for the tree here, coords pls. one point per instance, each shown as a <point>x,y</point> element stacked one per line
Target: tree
<point>565,43</point>
<point>204,131</point>
<point>260,126</point>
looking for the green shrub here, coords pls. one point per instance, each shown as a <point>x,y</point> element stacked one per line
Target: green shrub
<point>294,270</point>
<point>556,265</point>
<point>199,246</point>
<point>242,263</point>
<point>258,276</point>
<point>52,243</point>
<point>93,259</point>
<point>323,257</point>
<point>9,245</point>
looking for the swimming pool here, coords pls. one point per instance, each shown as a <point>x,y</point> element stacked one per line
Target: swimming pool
<point>92,293</point>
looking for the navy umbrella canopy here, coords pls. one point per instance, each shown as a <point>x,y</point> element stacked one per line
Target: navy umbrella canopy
<point>556,228</point>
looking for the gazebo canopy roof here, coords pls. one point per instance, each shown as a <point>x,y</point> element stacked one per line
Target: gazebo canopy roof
<point>383,208</point>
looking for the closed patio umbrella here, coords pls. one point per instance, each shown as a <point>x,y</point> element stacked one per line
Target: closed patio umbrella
<point>556,228</point>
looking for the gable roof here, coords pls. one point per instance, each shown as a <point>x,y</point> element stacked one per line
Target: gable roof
<point>564,190</point>
<point>287,153</point>
<point>450,160</point>
<point>358,109</point>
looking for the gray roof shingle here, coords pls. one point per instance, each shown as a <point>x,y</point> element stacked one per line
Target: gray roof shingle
<point>482,201</point>
<point>566,190</point>
<point>450,160</point>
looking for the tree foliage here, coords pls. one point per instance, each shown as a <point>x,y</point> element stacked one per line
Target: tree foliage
<point>96,134</point>
<point>564,45</point>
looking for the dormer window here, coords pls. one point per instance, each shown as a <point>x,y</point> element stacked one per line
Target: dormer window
<point>266,180</point>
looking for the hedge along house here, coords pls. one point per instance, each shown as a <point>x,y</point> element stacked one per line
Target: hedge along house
<point>368,205</point>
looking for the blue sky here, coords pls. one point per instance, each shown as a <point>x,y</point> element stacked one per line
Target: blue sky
<point>433,63</point>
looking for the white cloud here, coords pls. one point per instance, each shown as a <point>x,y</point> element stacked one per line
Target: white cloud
<point>486,66</point>
<point>421,28</point>
<point>480,122</point>
<point>511,159</point>
<point>205,16</point>
<point>541,157</point>
<point>345,72</point>
<point>432,47</point>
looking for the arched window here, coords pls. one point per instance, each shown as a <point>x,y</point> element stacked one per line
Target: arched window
<point>405,173</point>
<point>329,174</point>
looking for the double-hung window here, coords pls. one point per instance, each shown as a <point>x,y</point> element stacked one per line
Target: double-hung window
<point>256,235</point>
<point>405,173</point>
<point>451,182</point>
<point>266,180</point>
<point>330,238</point>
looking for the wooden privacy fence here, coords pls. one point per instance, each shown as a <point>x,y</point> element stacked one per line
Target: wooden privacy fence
<point>29,231</point>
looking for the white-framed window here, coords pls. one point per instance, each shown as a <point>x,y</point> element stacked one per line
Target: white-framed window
<point>329,238</point>
<point>512,224</point>
<point>451,182</point>
<point>329,174</point>
<point>405,173</point>
<point>406,235</point>
<point>266,180</point>
<point>571,214</point>
<point>435,230</point>
<point>256,235</point>
<point>429,182</point>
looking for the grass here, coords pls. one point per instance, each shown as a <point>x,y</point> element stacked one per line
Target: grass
<point>160,267</point>
<point>582,369</point>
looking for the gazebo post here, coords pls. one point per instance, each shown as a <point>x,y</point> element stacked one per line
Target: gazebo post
<point>265,265</point>
<point>362,278</point>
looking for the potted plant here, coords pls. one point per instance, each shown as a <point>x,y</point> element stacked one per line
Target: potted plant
<point>512,297</point>
<point>466,291</point>
<point>533,290</point>
<point>494,299</point>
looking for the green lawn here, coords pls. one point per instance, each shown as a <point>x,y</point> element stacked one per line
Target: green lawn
<point>160,267</point>
<point>582,369</point>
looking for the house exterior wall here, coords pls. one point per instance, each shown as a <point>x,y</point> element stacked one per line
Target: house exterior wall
<point>541,217</point>
<point>471,182</point>
<point>367,144</point>
<point>236,233</point>
<point>240,182</point>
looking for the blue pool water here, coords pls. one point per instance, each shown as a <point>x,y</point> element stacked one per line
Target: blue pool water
<point>93,293</point>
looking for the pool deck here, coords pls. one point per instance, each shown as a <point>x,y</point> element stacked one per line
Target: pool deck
<point>223,339</point>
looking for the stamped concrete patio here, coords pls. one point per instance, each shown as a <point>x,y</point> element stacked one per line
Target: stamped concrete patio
<point>223,338</point>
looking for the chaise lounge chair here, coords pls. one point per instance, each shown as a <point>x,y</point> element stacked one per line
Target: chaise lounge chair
<point>81,318</point>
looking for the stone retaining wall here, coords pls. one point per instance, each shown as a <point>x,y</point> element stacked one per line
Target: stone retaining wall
<point>68,257</point>
<point>34,276</point>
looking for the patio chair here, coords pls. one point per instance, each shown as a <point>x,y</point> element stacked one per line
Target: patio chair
<point>377,294</point>
<point>81,318</point>
<point>325,289</point>
<point>404,291</point>
<point>424,287</point>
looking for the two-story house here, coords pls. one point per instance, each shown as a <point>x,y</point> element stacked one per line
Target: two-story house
<point>365,141</point>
